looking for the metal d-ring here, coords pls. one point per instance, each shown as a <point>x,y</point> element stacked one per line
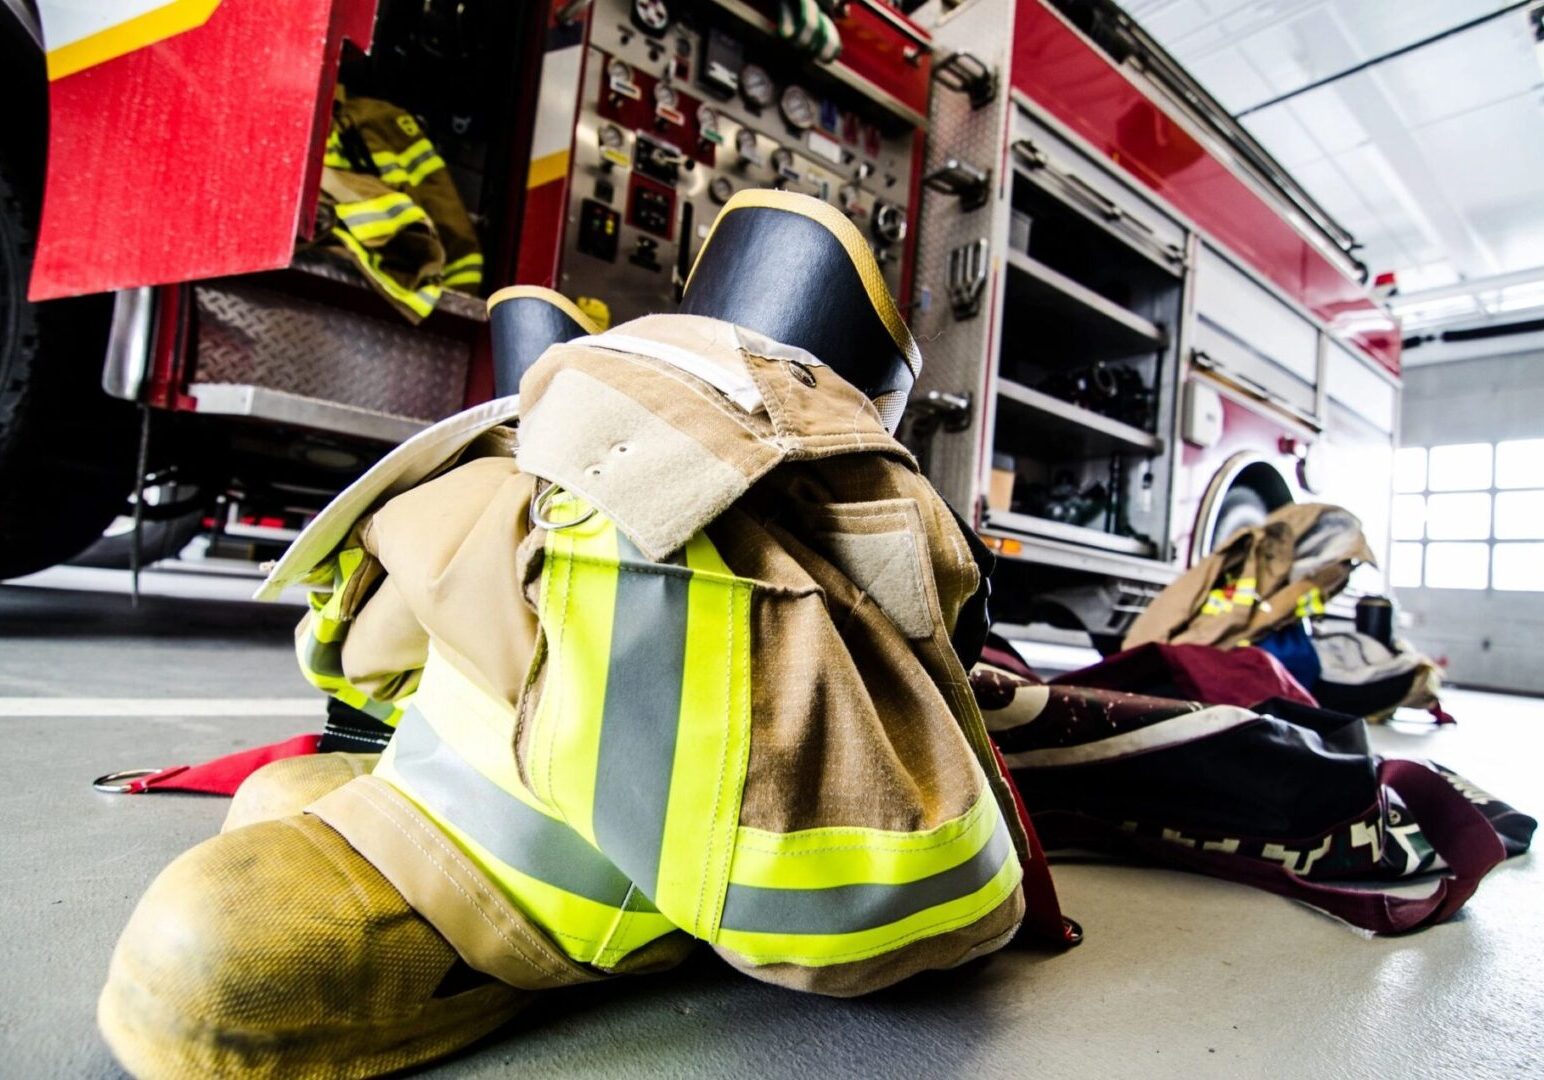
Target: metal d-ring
<point>539,516</point>
<point>113,783</point>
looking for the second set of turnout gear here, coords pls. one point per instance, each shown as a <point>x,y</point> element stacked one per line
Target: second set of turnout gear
<point>389,203</point>
<point>672,660</point>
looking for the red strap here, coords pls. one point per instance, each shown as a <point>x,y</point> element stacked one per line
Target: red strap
<point>223,775</point>
<point>1456,828</point>
<point>1043,920</point>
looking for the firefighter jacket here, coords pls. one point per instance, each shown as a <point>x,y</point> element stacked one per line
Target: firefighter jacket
<point>389,203</point>
<point>669,661</point>
<point>1260,579</point>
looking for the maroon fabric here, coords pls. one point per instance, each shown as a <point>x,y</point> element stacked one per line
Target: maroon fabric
<point>223,775</point>
<point>1044,923</point>
<point>1243,677</point>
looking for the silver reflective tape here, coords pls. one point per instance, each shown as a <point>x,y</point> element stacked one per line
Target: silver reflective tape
<point>847,909</point>
<point>324,657</point>
<point>527,840</point>
<point>642,710</point>
<point>397,209</point>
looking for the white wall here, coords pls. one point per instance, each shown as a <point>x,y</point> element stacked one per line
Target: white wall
<point>1489,638</point>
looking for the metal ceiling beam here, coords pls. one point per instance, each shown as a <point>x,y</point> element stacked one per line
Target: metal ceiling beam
<point>1408,174</point>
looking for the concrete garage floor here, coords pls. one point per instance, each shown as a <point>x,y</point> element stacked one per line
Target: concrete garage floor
<point>1179,976</point>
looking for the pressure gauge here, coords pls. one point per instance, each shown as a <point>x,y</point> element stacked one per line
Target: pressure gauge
<point>798,108</point>
<point>651,16</point>
<point>610,137</point>
<point>889,223</point>
<point>757,86</point>
<point>665,95</point>
<point>720,190</point>
<point>619,73</point>
<point>707,120</point>
<point>782,161</point>
<point>745,143</point>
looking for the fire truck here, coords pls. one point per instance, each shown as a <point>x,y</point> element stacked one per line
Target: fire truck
<point>1139,334</point>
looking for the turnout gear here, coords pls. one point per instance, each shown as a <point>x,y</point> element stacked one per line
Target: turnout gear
<point>1258,580</point>
<point>389,203</point>
<point>677,667</point>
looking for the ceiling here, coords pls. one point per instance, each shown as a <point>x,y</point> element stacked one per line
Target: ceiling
<point>1434,159</point>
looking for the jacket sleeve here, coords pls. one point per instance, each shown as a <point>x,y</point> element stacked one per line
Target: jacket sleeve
<point>359,642</point>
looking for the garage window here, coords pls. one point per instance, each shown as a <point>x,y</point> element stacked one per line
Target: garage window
<point>1469,516</point>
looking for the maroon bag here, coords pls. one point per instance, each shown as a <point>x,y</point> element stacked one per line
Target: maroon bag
<point>1281,796</point>
<point>1243,676</point>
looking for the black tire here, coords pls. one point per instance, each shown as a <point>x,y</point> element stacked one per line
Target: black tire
<point>1242,508</point>
<point>67,450</point>
<point>157,540</point>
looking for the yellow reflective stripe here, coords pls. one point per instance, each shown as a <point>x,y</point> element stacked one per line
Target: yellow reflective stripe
<point>319,646</point>
<point>822,858</point>
<point>582,927</point>
<point>820,950</point>
<point>466,270</point>
<point>480,727</point>
<point>578,604</point>
<point>426,168</point>
<point>383,215</point>
<point>712,747</point>
<point>1311,602</point>
<point>421,302</point>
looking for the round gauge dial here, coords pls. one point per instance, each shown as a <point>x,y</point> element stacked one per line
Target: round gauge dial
<point>610,137</point>
<point>757,86</point>
<point>745,142</point>
<point>619,72</point>
<point>651,16</point>
<point>665,95</point>
<point>799,109</point>
<point>707,118</point>
<point>889,223</point>
<point>782,160</point>
<point>720,189</point>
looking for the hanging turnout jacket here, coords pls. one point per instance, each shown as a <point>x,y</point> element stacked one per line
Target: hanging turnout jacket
<point>389,203</point>
<point>671,660</point>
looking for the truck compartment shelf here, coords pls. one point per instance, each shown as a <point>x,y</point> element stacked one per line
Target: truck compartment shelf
<point>1054,316</point>
<point>1048,426</point>
<point>1008,521</point>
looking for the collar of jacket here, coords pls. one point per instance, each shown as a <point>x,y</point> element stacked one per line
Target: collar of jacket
<point>662,452</point>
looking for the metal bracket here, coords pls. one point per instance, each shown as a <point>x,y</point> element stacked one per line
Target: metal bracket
<point>960,178</point>
<point>939,409</point>
<point>967,279</point>
<point>966,73</point>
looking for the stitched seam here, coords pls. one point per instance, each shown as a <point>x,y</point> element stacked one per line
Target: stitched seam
<point>965,824</point>
<point>539,962</point>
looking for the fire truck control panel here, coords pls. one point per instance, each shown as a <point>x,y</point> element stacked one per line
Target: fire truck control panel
<point>681,106</point>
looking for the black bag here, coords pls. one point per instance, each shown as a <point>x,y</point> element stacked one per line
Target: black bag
<point>1282,796</point>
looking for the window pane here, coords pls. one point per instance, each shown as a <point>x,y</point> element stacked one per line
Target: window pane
<point>1520,567</point>
<point>1458,517</point>
<point>1464,467</point>
<point>1405,566</point>
<point>1520,515</point>
<point>1520,463</point>
<point>1457,566</point>
<point>1409,517</point>
<point>1410,469</point>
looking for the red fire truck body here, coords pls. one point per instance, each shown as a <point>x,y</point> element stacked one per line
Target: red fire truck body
<point>1049,218</point>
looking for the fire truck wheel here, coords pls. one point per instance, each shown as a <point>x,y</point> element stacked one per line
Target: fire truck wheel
<point>1242,508</point>
<point>66,448</point>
